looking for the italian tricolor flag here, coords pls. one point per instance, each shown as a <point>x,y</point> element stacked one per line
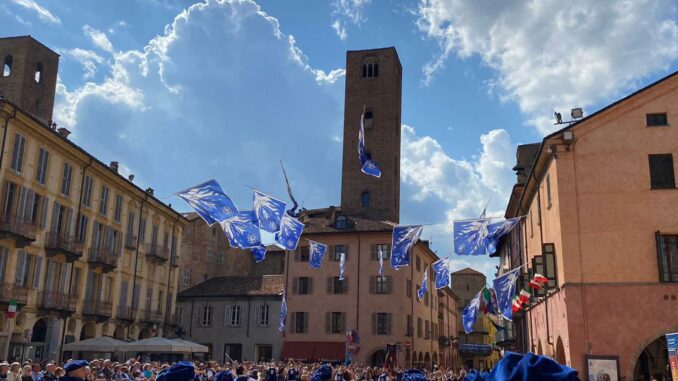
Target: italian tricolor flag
<point>11,309</point>
<point>540,278</point>
<point>517,304</point>
<point>524,296</point>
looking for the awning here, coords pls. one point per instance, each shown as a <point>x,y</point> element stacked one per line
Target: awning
<point>102,344</point>
<point>313,350</point>
<point>163,345</point>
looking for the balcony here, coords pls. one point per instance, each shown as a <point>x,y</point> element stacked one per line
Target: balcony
<point>156,252</point>
<point>126,313</point>
<point>57,301</point>
<point>104,258</point>
<point>18,229</point>
<point>174,261</point>
<point>131,242</point>
<point>59,243</point>
<point>150,316</point>
<point>10,291</point>
<point>99,309</point>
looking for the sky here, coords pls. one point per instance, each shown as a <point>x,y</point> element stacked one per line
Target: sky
<point>183,91</point>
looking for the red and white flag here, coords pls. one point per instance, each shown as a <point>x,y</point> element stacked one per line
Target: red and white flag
<point>517,305</point>
<point>524,296</point>
<point>540,278</point>
<point>534,285</point>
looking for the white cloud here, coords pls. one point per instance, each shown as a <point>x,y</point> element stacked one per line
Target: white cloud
<point>347,11</point>
<point>43,13</point>
<point>99,38</point>
<point>88,58</point>
<point>548,56</point>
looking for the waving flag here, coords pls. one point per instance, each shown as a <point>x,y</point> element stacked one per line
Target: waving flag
<point>317,250</point>
<point>241,232</point>
<point>505,288</point>
<point>442,270</point>
<point>471,313</point>
<point>283,313</point>
<point>269,211</point>
<point>480,237</point>
<point>209,201</point>
<point>292,212</point>
<point>259,253</point>
<point>342,263</point>
<point>424,285</point>
<point>404,239</point>
<point>368,166</point>
<point>381,262</point>
<point>290,232</point>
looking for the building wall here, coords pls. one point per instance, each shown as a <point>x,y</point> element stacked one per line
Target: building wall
<point>97,308</point>
<point>219,333</point>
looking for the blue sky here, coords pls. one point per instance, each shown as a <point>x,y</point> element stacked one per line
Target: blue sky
<point>181,91</point>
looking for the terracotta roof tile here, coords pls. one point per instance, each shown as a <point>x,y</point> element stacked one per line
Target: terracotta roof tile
<point>260,285</point>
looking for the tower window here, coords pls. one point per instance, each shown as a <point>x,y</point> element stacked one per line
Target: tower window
<point>341,222</point>
<point>38,72</point>
<point>370,69</point>
<point>366,199</point>
<point>367,119</point>
<point>7,68</point>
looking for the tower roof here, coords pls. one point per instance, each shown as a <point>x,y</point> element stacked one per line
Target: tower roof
<point>468,271</point>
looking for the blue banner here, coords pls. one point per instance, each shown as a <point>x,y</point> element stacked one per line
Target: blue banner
<point>290,232</point>
<point>240,231</point>
<point>471,313</point>
<point>317,253</point>
<point>209,201</point>
<point>505,289</point>
<point>404,239</point>
<point>269,211</point>
<point>442,270</point>
<point>480,237</point>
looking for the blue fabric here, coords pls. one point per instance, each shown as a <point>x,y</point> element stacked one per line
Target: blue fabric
<point>75,365</point>
<point>404,238</point>
<point>367,166</point>
<point>530,367</point>
<point>69,378</point>
<point>475,376</point>
<point>414,375</point>
<point>181,371</point>
<point>342,265</point>
<point>224,376</point>
<point>381,261</point>
<point>505,289</point>
<point>424,285</point>
<point>317,253</point>
<point>259,253</point>
<point>240,231</point>
<point>269,211</point>
<point>442,270</point>
<point>283,314</point>
<point>480,237</point>
<point>323,373</point>
<point>209,201</point>
<point>290,232</point>
<point>470,312</point>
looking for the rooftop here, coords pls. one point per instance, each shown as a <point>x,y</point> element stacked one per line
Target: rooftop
<point>257,285</point>
<point>322,221</point>
<point>468,271</point>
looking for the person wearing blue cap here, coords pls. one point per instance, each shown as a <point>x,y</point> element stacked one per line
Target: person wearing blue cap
<point>324,373</point>
<point>75,371</point>
<point>224,376</point>
<point>181,371</point>
<point>414,375</point>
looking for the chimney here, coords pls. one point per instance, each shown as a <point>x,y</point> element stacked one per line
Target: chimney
<point>114,166</point>
<point>149,191</point>
<point>130,177</point>
<point>63,132</point>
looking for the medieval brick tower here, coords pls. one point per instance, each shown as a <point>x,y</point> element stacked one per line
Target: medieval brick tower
<point>373,82</point>
<point>28,75</point>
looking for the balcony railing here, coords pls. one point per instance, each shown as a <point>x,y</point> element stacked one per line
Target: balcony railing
<point>131,242</point>
<point>150,316</point>
<point>10,291</point>
<point>156,252</point>
<point>126,313</point>
<point>98,308</point>
<point>105,258</point>
<point>18,228</point>
<point>60,243</point>
<point>57,301</point>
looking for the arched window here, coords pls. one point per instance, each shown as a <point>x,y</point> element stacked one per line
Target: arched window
<point>366,199</point>
<point>7,68</point>
<point>370,69</point>
<point>38,72</point>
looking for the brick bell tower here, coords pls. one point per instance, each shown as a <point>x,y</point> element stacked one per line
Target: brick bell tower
<point>373,81</point>
<point>28,75</point>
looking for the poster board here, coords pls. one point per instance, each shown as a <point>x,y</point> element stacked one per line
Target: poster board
<point>672,346</point>
<point>602,368</point>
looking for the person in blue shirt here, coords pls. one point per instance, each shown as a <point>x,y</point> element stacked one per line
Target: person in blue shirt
<point>75,371</point>
<point>181,371</point>
<point>292,374</point>
<point>272,373</point>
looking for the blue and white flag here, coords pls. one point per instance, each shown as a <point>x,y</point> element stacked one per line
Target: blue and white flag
<point>471,312</point>
<point>404,239</point>
<point>368,166</point>
<point>480,237</point>
<point>317,254</point>
<point>209,201</point>
<point>290,232</point>
<point>381,262</point>
<point>241,232</point>
<point>424,285</point>
<point>505,289</point>
<point>342,263</point>
<point>283,313</point>
<point>442,270</point>
<point>269,211</point>
<point>259,253</point>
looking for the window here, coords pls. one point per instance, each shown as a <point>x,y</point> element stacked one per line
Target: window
<point>7,67</point>
<point>300,322</point>
<point>304,286</point>
<point>382,323</point>
<point>368,119</point>
<point>18,153</point>
<point>186,279</point>
<point>338,251</point>
<point>103,203</point>
<point>338,286</point>
<point>549,254</point>
<point>233,315</point>
<point>667,251</point>
<point>427,330</point>
<point>263,315</point>
<point>370,69</point>
<point>82,228</point>
<point>66,180</point>
<point>220,258</point>
<point>548,190</point>
<point>336,322</point>
<point>154,237</point>
<point>419,327</point>
<point>341,222</point>
<point>383,284</point>
<point>661,171</point>
<point>410,327</point>
<point>654,120</point>
<point>409,288</point>
<point>38,72</point>
<point>385,250</point>
<point>365,199</point>
<point>418,264</point>
<point>142,230</point>
<point>304,254</point>
<point>210,257</point>
<point>205,316</point>
<point>41,173</point>
<point>531,226</point>
<point>22,269</point>
<point>87,191</point>
<point>117,215</point>
<point>36,272</point>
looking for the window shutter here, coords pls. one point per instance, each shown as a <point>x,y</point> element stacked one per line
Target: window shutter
<point>343,322</point>
<point>347,256</point>
<point>330,285</point>
<point>373,284</point>
<point>45,208</point>
<point>20,269</point>
<point>55,216</point>
<point>310,286</point>
<point>295,285</point>
<point>374,323</point>
<point>373,253</point>
<point>305,322</point>
<point>30,199</point>
<point>293,322</point>
<point>389,284</point>
<point>227,315</point>
<point>36,272</point>
<point>389,321</point>
<point>345,286</point>
<point>328,322</point>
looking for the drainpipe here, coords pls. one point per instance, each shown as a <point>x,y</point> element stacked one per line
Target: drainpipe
<point>70,282</point>
<point>4,135</point>
<point>136,260</point>
<point>169,272</point>
<point>357,311</point>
